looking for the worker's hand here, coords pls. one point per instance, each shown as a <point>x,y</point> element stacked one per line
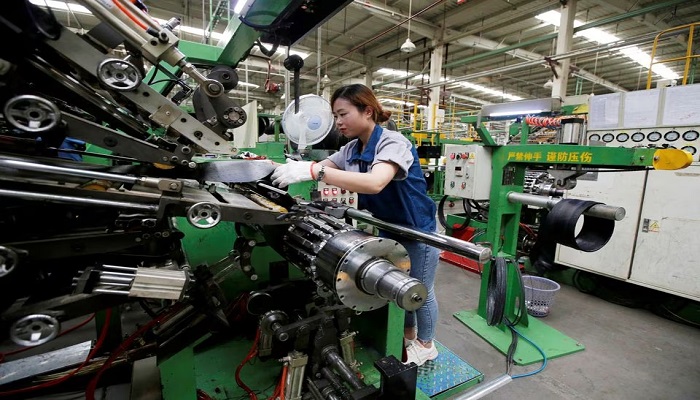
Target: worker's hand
<point>292,172</point>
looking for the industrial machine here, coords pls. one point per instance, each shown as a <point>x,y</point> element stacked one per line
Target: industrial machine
<point>114,195</point>
<point>518,184</point>
<point>653,245</point>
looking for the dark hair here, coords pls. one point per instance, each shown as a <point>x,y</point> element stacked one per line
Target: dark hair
<point>362,97</point>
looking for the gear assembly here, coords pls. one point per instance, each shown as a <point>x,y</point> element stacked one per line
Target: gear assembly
<point>111,198</point>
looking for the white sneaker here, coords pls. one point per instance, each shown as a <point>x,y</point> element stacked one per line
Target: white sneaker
<point>416,353</point>
<point>408,342</point>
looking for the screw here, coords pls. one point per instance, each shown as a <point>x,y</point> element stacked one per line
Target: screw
<point>192,165</point>
<point>186,150</point>
<point>165,158</point>
<point>174,186</point>
<point>174,158</point>
<point>416,298</point>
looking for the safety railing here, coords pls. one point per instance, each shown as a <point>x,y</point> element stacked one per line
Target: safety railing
<point>688,57</point>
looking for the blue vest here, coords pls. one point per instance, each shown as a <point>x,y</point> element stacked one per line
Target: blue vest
<point>404,202</point>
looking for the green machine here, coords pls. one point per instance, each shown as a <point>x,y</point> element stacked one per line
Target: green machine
<point>250,290</point>
<point>495,175</point>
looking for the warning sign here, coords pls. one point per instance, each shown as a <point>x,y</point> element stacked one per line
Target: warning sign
<point>651,225</point>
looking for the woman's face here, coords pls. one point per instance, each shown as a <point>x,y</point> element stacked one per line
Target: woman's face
<point>350,121</point>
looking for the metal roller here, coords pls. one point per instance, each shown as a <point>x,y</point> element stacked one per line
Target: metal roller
<point>366,272</point>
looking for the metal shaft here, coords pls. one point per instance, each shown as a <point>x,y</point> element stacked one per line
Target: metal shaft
<point>83,201</point>
<point>466,249</point>
<point>52,169</point>
<point>346,373</point>
<point>599,210</point>
<point>383,279</point>
<point>485,388</point>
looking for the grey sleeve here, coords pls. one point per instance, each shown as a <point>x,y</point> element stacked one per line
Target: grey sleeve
<point>395,149</point>
<point>338,158</point>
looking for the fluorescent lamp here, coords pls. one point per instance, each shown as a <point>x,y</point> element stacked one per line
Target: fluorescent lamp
<point>634,53</point>
<point>61,5</point>
<point>239,6</point>
<point>515,112</point>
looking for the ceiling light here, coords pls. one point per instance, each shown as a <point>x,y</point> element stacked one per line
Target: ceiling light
<point>408,46</point>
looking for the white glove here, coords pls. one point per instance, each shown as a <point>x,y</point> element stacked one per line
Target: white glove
<point>292,172</point>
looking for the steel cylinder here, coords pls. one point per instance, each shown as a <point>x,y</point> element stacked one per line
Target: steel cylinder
<point>365,271</point>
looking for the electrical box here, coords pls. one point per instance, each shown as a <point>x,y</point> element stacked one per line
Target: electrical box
<point>468,171</point>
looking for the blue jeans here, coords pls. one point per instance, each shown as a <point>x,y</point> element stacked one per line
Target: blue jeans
<point>424,262</point>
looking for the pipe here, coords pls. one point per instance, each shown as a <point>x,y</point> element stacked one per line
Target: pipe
<point>466,249</point>
<point>599,210</point>
<point>486,388</point>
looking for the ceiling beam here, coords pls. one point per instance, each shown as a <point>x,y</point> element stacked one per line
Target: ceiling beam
<point>427,29</point>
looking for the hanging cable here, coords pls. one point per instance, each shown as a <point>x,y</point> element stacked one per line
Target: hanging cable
<point>496,292</point>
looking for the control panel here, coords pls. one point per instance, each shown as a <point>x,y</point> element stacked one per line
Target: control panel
<point>468,171</point>
<point>334,193</point>
<point>684,138</point>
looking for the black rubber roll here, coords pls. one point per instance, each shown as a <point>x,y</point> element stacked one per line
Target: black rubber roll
<point>560,225</point>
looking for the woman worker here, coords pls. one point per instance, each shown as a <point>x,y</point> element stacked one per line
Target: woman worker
<point>382,166</point>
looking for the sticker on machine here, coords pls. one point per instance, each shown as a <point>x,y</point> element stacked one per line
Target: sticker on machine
<point>651,225</point>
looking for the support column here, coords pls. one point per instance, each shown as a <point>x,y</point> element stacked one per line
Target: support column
<point>564,39</point>
<point>435,75</point>
<point>368,76</point>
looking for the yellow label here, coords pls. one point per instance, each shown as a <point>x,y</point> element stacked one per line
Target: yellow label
<point>579,157</point>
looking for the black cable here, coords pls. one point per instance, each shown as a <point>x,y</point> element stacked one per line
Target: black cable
<point>496,292</point>
<point>522,309</point>
<point>261,27</point>
<point>443,220</point>
<point>265,51</point>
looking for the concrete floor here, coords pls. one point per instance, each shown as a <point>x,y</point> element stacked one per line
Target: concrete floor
<point>630,353</point>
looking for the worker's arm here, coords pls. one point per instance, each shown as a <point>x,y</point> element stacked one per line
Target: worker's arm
<point>359,182</point>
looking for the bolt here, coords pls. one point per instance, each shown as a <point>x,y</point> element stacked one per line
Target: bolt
<point>416,298</point>
<point>192,165</point>
<point>252,243</point>
<point>656,158</point>
<point>166,234</point>
<point>198,134</point>
<point>164,158</point>
<point>213,88</point>
<point>254,277</point>
<point>186,150</point>
<point>168,113</point>
<point>173,186</point>
<point>174,158</point>
<point>185,163</point>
